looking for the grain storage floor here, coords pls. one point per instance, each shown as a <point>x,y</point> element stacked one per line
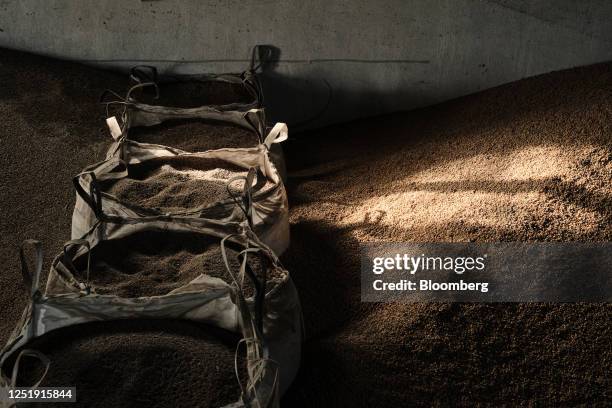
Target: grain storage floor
<point>530,160</point>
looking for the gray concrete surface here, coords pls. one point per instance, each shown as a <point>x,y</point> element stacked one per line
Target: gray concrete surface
<point>335,60</point>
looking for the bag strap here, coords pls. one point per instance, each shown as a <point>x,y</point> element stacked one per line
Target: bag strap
<point>260,285</point>
<point>124,101</point>
<point>252,84</point>
<point>94,197</point>
<point>278,134</point>
<point>239,282</point>
<point>247,194</point>
<point>68,260</point>
<point>256,119</point>
<point>31,279</point>
<point>30,353</point>
<point>262,369</point>
<point>140,86</point>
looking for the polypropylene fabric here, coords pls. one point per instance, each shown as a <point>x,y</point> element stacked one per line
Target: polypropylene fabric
<point>270,218</point>
<point>273,352</point>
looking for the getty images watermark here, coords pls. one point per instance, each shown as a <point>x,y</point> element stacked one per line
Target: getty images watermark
<point>494,272</point>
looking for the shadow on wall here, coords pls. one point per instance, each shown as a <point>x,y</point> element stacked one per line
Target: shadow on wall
<point>296,101</point>
<point>317,100</point>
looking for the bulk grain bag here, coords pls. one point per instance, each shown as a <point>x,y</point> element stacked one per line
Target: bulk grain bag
<point>194,112</point>
<point>190,129</point>
<point>224,92</point>
<point>200,112</point>
<point>219,274</point>
<point>221,92</point>
<point>149,180</point>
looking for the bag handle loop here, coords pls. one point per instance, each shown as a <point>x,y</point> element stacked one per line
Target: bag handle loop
<point>94,197</point>
<point>278,134</point>
<point>30,353</point>
<point>68,260</point>
<point>31,279</point>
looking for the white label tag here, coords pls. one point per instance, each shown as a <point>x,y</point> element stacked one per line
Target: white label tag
<point>114,128</point>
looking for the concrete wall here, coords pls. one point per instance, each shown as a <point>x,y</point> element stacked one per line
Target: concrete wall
<point>336,60</point>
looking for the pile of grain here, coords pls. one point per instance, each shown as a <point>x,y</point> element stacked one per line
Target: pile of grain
<point>139,363</point>
<point>176,184</point>
<point>195,135</point>
<point>195,93</point>
<point>528,161</point>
